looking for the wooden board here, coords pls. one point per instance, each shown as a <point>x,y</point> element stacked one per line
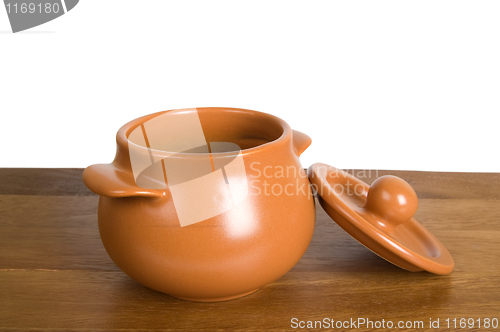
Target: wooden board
<point>56,275</point>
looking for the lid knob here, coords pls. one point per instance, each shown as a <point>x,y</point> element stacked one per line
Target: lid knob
<point>391,199</point>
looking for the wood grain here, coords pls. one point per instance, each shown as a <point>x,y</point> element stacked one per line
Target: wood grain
<point>43,181</point>
<point>68,182</point>
<point>55,274</point>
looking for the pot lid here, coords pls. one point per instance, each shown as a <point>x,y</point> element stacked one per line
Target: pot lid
<point>380,217</point>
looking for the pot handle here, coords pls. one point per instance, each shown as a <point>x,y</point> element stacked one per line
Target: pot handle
<point>111,181</point>
<point>300,142</point>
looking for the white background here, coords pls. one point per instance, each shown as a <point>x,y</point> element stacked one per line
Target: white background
<point>409,85</point>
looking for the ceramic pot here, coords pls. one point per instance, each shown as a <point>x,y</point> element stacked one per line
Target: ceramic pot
<point>176,227</point>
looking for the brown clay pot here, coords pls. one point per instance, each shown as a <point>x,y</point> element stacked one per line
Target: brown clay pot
<point>225,256</point>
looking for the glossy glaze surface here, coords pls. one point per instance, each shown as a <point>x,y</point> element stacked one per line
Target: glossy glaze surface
<point>229,255</point>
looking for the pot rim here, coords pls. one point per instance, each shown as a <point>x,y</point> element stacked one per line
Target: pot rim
<point>124,132</point>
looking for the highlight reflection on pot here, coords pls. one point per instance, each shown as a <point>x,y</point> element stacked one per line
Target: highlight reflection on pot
<point>202,188</point>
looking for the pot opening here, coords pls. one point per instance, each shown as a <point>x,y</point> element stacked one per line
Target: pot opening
<point>194,131</point>
<point>192,145</point>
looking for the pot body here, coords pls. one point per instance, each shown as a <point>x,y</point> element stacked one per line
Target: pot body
<point>222,257</point>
